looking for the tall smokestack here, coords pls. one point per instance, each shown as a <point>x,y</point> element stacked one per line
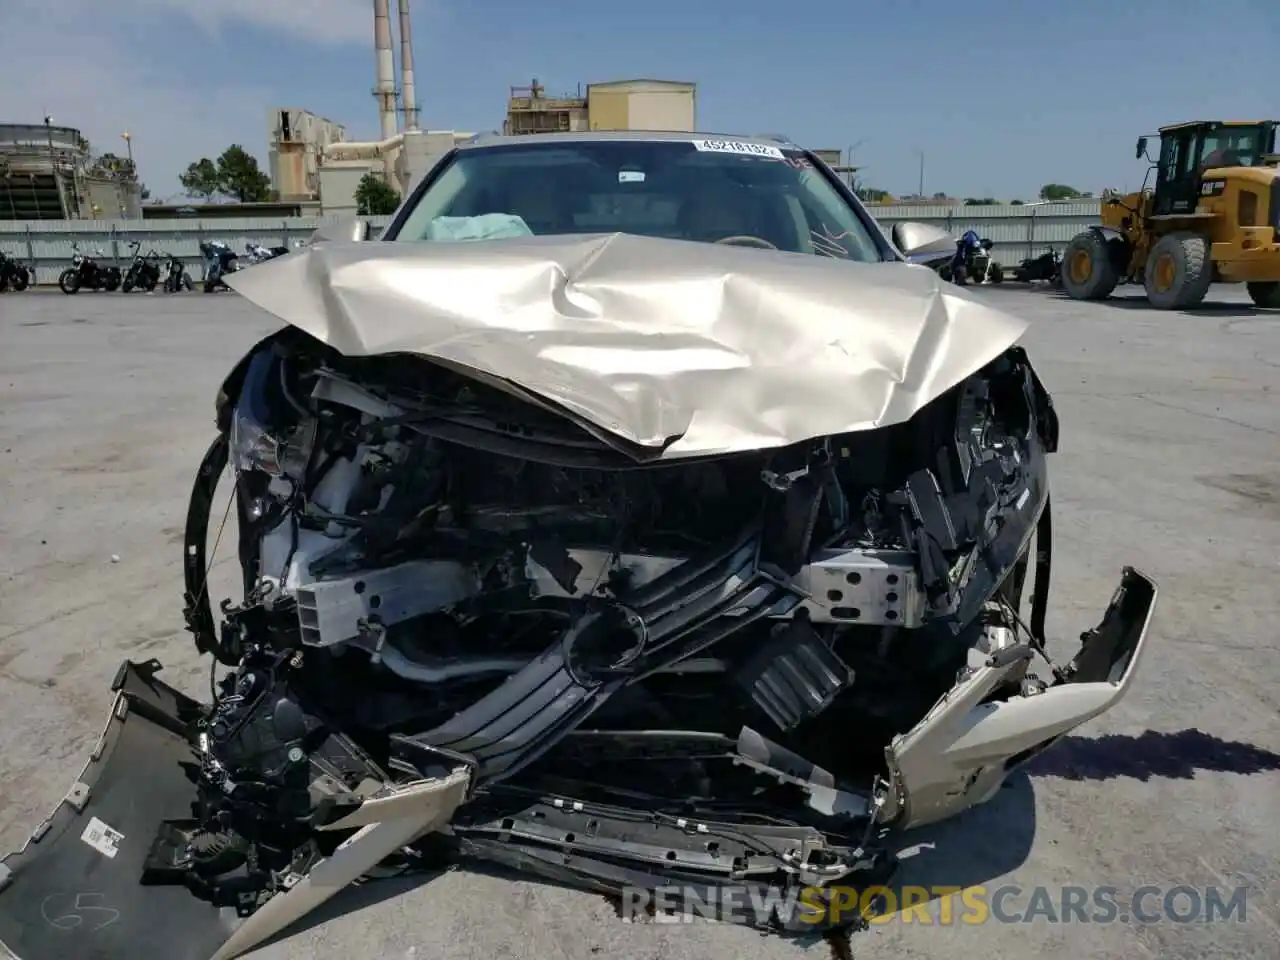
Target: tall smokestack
<point>385,91</point>
<point>408,97</point>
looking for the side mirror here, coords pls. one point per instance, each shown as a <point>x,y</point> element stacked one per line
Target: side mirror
<point>923,242</point>
<point>1141,150</point>
<point>351,228</point>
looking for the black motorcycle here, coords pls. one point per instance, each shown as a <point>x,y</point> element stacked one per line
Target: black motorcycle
<point>219,260</point>
<point>86,273</point>
<point>143,272</point>
<point>1045,268</point>
<point>13,274</point>
<point>176,277</point>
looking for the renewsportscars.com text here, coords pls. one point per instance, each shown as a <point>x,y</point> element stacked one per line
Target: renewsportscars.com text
<point>939,905</point>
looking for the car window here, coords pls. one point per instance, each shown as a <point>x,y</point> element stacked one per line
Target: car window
<point>1231,147</point>
<point>668,189</point>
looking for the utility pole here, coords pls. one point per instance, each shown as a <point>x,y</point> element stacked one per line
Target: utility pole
<point>920,188</point>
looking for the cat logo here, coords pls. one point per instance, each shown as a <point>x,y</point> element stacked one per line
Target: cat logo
<point>1213,188</point>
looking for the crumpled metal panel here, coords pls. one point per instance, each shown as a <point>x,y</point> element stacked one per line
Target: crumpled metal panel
<point>692,347</point>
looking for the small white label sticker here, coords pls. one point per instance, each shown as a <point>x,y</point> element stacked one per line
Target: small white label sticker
<point>738,146</point>
<point>631,176</point>
<point>102,837</point>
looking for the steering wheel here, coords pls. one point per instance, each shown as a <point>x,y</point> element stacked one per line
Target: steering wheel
<point>746,240</point>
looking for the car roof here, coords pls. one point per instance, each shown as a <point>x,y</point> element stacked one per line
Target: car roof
<point>481,140</point>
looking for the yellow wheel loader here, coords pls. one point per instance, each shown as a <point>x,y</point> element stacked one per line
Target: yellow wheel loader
<point>1213,217</point>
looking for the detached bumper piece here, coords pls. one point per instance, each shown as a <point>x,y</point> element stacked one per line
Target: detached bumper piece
<point>73,891</point>
<point>103,877</point>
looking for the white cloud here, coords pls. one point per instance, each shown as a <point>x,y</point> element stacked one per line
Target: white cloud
<point>76,61</point>
<point>321,21</point>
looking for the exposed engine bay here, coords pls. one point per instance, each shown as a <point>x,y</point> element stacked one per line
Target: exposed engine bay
<point>472,620</point>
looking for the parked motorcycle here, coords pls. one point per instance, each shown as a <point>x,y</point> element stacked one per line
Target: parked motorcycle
<point>143,272</point>
<point>1045,268</point>
<point>176,277</point>
<point>260,254</point>
<point>219,260</point>
<point>973,262</point>
<point>86,273</point>
<point>13,274</point>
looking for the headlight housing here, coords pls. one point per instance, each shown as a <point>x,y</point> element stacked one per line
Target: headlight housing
<point>255,447</point>
<point>256,444</point>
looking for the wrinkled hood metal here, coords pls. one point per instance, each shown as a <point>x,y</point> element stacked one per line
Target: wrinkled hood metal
<point>683,348</point>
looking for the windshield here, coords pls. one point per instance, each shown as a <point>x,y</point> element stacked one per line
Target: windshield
<point>686,190</point>
<point>1234,146</point>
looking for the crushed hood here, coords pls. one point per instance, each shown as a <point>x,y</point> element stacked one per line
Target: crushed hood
<point>680,347</point>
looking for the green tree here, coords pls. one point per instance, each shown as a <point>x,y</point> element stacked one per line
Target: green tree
<point>239,176</point>
<point>375,197</point>
<point>874,195</point>
<point>144,193</point>
<point>984,202</point>
<point>1059,191</point>
<point>200,179</point>
<point>1015,203</point>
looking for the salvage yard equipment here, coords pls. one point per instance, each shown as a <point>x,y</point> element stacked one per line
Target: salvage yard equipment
<point>1214,217</point>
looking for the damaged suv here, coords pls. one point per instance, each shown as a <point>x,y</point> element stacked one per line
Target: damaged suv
<point>631,514</point>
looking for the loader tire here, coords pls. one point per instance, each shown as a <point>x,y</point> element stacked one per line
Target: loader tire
<point>1087,270</point>
<point>1178,271</point>
<point>1265,294</point>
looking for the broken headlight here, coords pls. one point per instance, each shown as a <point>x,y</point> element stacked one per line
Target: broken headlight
<point>261,440</point>
<point>254,446</point>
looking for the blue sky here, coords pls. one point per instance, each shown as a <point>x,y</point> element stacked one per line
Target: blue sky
<point>1000,97</point>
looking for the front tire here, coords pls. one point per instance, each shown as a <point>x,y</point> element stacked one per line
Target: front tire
<point>1265,294</point>
<point>1178,271</point>
<point>997,273</point>
<point>69,281</point>
<point>1087,271</point>
<point>21,280</point>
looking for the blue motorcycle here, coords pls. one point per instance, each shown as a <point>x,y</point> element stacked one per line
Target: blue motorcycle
<point>972,261</point>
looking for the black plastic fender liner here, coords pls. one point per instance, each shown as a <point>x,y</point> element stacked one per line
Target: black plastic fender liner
<point>197,610</point>
<point>73,892</point>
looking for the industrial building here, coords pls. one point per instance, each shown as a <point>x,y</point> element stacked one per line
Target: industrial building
<point>615,105</point>
<point>297,140</point>
<point>49,172</point>
<point>403,154</point>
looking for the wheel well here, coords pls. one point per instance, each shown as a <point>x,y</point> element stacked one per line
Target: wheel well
<point>1119,248</point>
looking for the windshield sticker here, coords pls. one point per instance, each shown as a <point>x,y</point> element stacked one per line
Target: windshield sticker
<point>631,176</point>
<point>740,147</point>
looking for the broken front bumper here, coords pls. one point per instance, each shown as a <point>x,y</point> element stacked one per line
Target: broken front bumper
<point>960,753</point>
<point>75,890</point>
